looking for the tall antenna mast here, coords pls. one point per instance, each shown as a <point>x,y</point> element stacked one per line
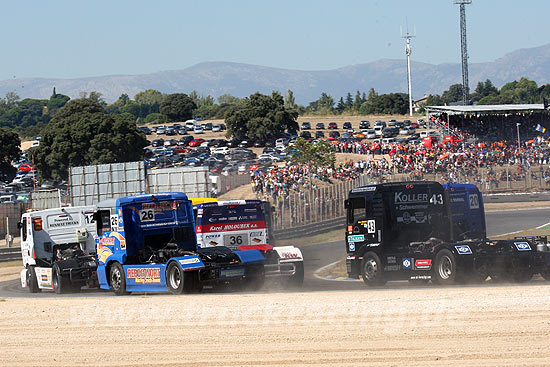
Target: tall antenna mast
<point>408,50</point>
<point>464,50</point>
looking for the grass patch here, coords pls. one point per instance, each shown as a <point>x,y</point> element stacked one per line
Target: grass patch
<point>9,264</point>
<point>335,235</point>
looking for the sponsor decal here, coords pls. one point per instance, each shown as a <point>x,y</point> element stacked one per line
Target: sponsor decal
<point>212,235</point>
<point>256,240</point>
<point>44,278</point>
<point>120,238</point>
<point>232,227</point>
<point>401,197</point>
<point>62,221</point>
<point>406,262</point>
<point>290,255</point>
<point>213,243</point>
<point>420,217</point>
<point>391,259</point>
<point>363,189</point>
<point>523,246</point>
<point>144,275</point>
<point>103,253</point>
<point>406,217</point>
<point>424,264</point>
<point>421,277</point>
<point>391,268</point>
<point>256,234</point>
<point>356,238</point>
<point>352,246</point>
<point>463,250</point>
<point>193,260</point>
<point>106,241</point>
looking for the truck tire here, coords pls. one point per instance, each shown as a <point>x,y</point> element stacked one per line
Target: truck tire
<point>297,280</point>
<point>371,270</point>
<point>60,283</point>
<point>522,276</point>
<point>191,282</point>
<point>32,282</point>
<point>175,279</point>
<point>117,280</point>
<point>445,271</point>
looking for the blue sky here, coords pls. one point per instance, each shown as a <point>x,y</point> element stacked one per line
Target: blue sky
<point>72,39</point>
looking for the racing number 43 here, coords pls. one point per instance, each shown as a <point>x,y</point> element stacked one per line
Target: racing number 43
<point>436,199</point>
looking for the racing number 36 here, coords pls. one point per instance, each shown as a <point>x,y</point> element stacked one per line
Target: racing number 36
<point>235,240</point>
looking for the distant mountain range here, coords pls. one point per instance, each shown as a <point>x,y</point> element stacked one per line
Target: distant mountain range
<point>217,78</point>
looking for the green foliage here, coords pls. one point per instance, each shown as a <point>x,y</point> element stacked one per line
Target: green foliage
<point>318,154</point>
<point>154,118</point>
<point>260,117</point>
<point>453,94</point>
<point>392,103</point>
<point>228,99</point>
<point>82,134</point>
<point>9,150</point>
<point>324,105</point>
<point>290,101</point>
<point>177,107</point>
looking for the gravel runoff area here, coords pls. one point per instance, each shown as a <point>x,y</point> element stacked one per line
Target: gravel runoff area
<point>497,325</point>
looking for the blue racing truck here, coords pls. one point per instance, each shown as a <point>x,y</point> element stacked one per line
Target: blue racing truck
<point>147,243</point>
<point>422,231</point>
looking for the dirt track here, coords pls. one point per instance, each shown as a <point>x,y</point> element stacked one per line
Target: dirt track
<point>504,325</point>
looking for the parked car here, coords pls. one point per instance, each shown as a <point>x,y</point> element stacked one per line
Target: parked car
<point>364,124</point>
<point>157,143</point>
<point>222,150</point>
<point>320,126</point>
<point>145,130</point>
<point>185,140</point>
<point>305,135</point>
<point>196,142</point>
<point>379,123</point>
<point>216,128</point>
<point>334,134</point>
<point>198,129</point>
<point>208,126</point>
<point>332,125</point>
<point>371,134</point>
<point>245,144</point>
<point>319,134</point>
<point>407,130</point>
<point>347,125</point>
<point>305,126</point>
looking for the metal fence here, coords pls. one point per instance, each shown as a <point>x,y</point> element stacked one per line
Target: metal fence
<point>10,214</point>
<point>325,203</point>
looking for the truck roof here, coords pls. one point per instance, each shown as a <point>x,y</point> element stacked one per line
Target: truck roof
<point>359,191</point>
<point>142,198</point>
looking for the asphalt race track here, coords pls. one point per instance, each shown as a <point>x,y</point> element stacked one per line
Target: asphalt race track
<point>317,256</point>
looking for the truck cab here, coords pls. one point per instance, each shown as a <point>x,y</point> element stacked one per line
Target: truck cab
<point>148,243</point>
<point>58,248</point>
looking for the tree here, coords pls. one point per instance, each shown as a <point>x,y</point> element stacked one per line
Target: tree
<point>357,102</point>
<point>290,101</point>
<point>9,150</point>
<point>149,97</point>
<point>228,99</point>
<point>319,154</point>
<point>56,102</point>
<point>260,117</point>
<point>177,107</point>
<point>82,134</point>
<point>484,89</point>
<point>11,99</point>
<point>454,94</point>
<point>341,106</point>
<point>349,101</point>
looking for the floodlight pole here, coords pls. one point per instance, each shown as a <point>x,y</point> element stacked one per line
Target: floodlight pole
<point>519,144</point>
<point>408,51</point>
<point>464,51</point>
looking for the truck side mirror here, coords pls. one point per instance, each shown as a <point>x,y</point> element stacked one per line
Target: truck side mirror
<point>346,204</point>
<point>19,225</point>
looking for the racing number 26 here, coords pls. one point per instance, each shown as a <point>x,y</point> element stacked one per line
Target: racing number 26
<point>147,215</point>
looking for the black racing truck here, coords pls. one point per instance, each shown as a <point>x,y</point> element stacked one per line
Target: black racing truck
<point>422,231</point>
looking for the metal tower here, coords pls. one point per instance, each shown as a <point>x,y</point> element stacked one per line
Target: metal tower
<point>464,49</point>
<point>408,50</point>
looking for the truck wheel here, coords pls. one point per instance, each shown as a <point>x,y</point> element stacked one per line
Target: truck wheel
<point>522,276</point>
<point>175,278</point>
<point>191,282</point>
<point>297,280</point>
<point>371,270</point>
<point>60,283</point>
<point>445,267</point>
<point>117,279</point>
<point>32,282</point>
<point>255,277</point>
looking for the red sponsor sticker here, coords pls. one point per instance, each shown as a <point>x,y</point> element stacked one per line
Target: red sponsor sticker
<point>144,275</point>
<point>423,264</point>
<point>227,227</point>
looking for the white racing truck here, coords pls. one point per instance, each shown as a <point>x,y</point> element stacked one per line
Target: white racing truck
<point>58,249</point>
<point>243,225</point>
